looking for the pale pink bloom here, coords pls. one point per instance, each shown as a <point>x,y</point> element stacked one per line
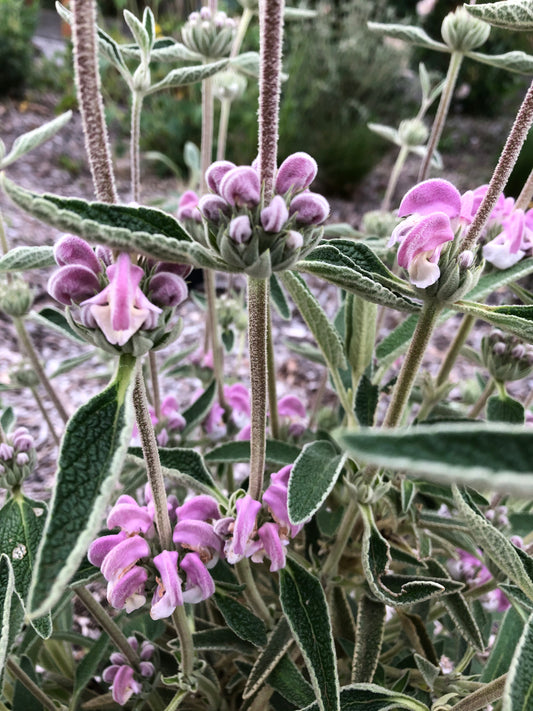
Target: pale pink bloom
<point>275,215</point>
<point>124,685</point>
<point>240,187</point>
<point>240,229</point>
<point>511,244</point>
<point>309,208</point>
<point>168,594</point>
<point>215,173</point>
<point>188,207</point>
<point>296,173</point>
<point>199,584</point>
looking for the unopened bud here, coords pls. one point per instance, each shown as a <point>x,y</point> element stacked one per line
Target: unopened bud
<point>499,348</point>
<point>17,299</point>
<point>462,32</point>
<point>413,132</point>
<point>466,259</point>
<point>26,378</point>
<point>142,78</point>
<point>518,351</point>
<point>294,240</point>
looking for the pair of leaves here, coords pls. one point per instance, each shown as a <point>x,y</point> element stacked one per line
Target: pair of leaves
<point>511,14</point>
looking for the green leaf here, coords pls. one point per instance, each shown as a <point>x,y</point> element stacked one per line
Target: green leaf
<point>509,14</point>
<point>371,697</point>
<point>247,63</point>
<point>397,338</point>
<point>278,642</point>
<point>52,318</point>
<point>505,409</point>
<point>320,325</point>
<point>222,639</point>
<point>518,691</point>
<point>20,259</point>
<point>278,298</point>
<point>90,459</point>
<point>305,607</point>
<point>11,610</point>
<point>7,420</point>
<point>363,258</point>
<point>164,50</point>
<point>23,700</point>
<point>200,408</point>
<point>516,61</point>
<point>366,401</point>
<point>368,638</point>
<point>139,33</point>
<point>517,320</point>
<point>473,454</point>
<point>408,33</point>
<point>28,141</point>
<point>87,668</point>
<point>298,13</point>
<point>188,75</point>
<point>71,364</point>
<point>276,452</point>
<point>313,476</point>
<point>386,132</point>
<point>130,229</point>
<point>500,277</point>
<point>504,647</point>
<point>241,620</point>
<point>288,681</point>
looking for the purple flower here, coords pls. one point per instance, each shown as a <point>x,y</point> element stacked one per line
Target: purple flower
<point>188,207</point>
<point>101,547</point>
<point>275,215</point>
<point>272,545</point>
<point>296,173</point>
<point>167,289</point>
<point>124,685</point>
<point>70,249</point>
<point>127,591</point>
<point>72,284</point>
<point>294,240</point>
<point>275,497</point>
<point>244,529</point>
<point>511,244</point>
<point>240,187</point>
<point>6,451</point>
<point>200,508</point>
<point>199,584</point>
<point>290,406</point>
<point>215,173</point>
<point>199,536</point>
<point>309,208</point>
<point>240,229</point>
<point>129,516</point>
<point>214,208</point>
<point>22,439</point>
<point>431,196</point>
<point>123,556</point>
<point>168,594</point>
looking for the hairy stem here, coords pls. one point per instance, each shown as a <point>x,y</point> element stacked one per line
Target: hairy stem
<point>223,123</point>
<point>212,326</point>
<point>154,378</point>
<point>27,347</point>
<point>20,675</point>
<point>85,44</point>
<point>480,698</point>
<point>244,23</point>
<point>506,163</point>
<point>271,370</point>
<point>454,66</point>
<point>490,387</point>
<point>135,135</point>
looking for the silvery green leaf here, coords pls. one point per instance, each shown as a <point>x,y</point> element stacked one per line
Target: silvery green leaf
<point>298,13</point>
<point>368,638</point>
<point>139,33</point>
<point>288,680</point>
<point>11,610</point>
<point>425,81</point>
<point>191,158</point>
<point>51,318</point>
<point>247,63</point>
<point>386,132</point>
<point>428,670</point>
<point>517,320</point>
<point>188,75</point>
<point>518,691</point>
<point>408,33</point>
<point>516,61</point>
<point>366,401</point>
<point>278,643</point>
<point>20,259</point>
<point>30,140</point>
<point>222,639</point>
<point>320,325</point>
<point>501,654</point>
<point>471,454</point>
<point>276,452</point>
<point>371,697</point>
<point>170,51</point>
<point>500,277</point>
<point>509,14</point>
<point>278,299</point>
<point>149,25</point>
<point>7,419</point>
<point>240,619</point>
<point>340,230</point>
<point>313,476</point>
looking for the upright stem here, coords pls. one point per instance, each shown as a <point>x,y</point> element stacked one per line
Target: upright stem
<point>257,339</point>
<point>244,23</point>
<point>223,123</point>
<point>4,244</point>
<point>20,675</point>
<point>454,349</point>
<point>244,575</point>
<point>412,362</point>
<point>481,698</point>
<point>456,59</point>
<point>271,372</point>
<point>27,346</point>
<point>506,163</point>
<point>85,45</point>
<point>490,387</point>
<point>394,176</point>
<point>526,194</point>
<point>135,156</point>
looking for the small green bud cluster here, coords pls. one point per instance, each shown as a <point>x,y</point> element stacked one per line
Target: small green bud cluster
<point>230,312</point>
<point>228,85</point>
<point>379,223</point>
<point>458,274</point>
<point>506,357</point>
<point>25,378</point>
<point>462,32</point>
<point>16,298</point>
<point>17,458</point>
<point>413,132</point>
<point>208,34</point>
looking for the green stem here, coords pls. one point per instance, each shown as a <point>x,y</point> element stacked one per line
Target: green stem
<point>17,673</point>
<point>4,244</point>
<point>223,123</point>
<point>258,295</point>
<point>454,66</point>
<point>481,698</point>
<point>176,700</point>
<point>271,370</point>
<point>394,177</point>
<point>506,163</point>
<point>412,362</point>
<point>526,194</point>
<point>108,625</point>
<point>27,346</point>
<point>490,387</point>
<point>135,135</point>
<point>349,518</point>
<point>245,20</point>
<point>40,405</point>
<point>255,600</point>
<point>212,325</point>
<point>181,623</point>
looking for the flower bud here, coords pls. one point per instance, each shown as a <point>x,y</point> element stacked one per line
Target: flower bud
<point>309,208</point>
<point>142,78</point>
<point>229,85</point>
<point>214,208</point>
<point>16,299</point>
<point>505,357</point>
<point>167,289</point>
<point>462,32</point>
<point>215,173</point>
<point>188,207</point>
<point>26,378</point>
<point>379,223</point>
<point>275,215</point>
<point>70,249</point>
<point>296,173</point>
<point>240,187</point>
<point>208,35</point>
<point>73,283</point>
<point>294,240</point>
<point>240,229</point>
<point>413,132</point>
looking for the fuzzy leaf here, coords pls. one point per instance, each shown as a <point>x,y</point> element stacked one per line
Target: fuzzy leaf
<point>288,681</point>
<point>278,642</point>
<point>505,410</point>
<point>298,13</point>
<point>241,620</point>
<point>396,339</point>
<point>509,14</point>
<point>305,607</point>
<point>408,33</point>
<point>278,298</point>
<point>473,454</point>
<point>247,63</point>
<point>371,697</point>
<point>516,61</point>
<point>368,638</point>
<point>517,320</point>
<point>504,647</point>
<point>139,32</point>
<point>222,639</point>
<point>90,460</point>
<point>276,452</point>
<point>320,325</point>
<point>51,318</point>
<point>164,50</point>
<point>188,75</point>
<point>500,277</point>
<point>20,259</point>
<point>87,668</point>
<point>200,408</point>
<point>518,691</point>
<point>313,476</point>
<point>11,610</point>
<point>386,132</point>
<point>366,401</point>
<point>28,141</point>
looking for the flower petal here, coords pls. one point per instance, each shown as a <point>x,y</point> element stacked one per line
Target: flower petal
<point>199,585</point>
<point>168,594</point>
<point>433,195</point>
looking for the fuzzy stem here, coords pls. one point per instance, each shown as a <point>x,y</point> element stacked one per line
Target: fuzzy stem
<point>20,675</point>
<point>46,416</point>
<point>349,518</point>
<point>108,625</point>
<point>256,602</point>
<point>212,326</point>
<point>244,23</point>
<point>257,340</point>
<point>156,392</point>
<point>490,387</point>
<point>526,194</point>
<point>454,349</point>
<point>506,163</point>
<point>454,66</point>
<point>411,364</point>
<point>4,244</point>
<point>27,346</point>
<point>271,370</point>
<point>135,135</point>
<point>394,177</point>
<point>223,123</point>
<point>271,32</point>
<point>480,698</point>
<point>85,45</point>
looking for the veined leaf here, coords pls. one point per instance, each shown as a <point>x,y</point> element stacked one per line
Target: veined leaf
<point>517,320</point>
<point>241,620</point>
<point>505,409</point>
<point>11,610</point>
<point>222,639</point>
<point>371,697</point>
<point>518,691</point>
<point>510,14</point>
<point>516,61</point>
<point>408,33</point>
<point>165,49</point>
<point>276,452</point>
<point>188,75</point>
<point>20,259</point>
<point>305,607</point>
<point>504,647</point>
<point>278,643</point>
<point>28,141</point>
<point>368,638</point>
<point>500,277</point>
<point>90,460</point>
<point>288,681</point>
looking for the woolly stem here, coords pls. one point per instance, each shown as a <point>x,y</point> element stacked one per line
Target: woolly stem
<point>349,519</point>
<point>85,45</point>
<point>135,135</point>
<point>481,698</point>
<point>20,675</point>
<point>271,374</point>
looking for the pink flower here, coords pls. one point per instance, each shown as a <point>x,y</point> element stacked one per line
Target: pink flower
<point>244,529</point>
<point>511,244</point>
<point>124,685</point>
<point>188,207</point>
<point>240,229</point>
<point>199,536</point>
<point>296,173</point>
<point>215,173</point>
<point>309,208</point>
<point>168,594</point>
<point>129,516</point>
<point>272,545</point>
<point>240,187</point>
<point>199,584</point>
<point>275,215</point>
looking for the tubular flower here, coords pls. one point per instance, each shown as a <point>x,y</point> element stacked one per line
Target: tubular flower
<point>17,458</point>
<point>121,675</point>
<point>168,594</point>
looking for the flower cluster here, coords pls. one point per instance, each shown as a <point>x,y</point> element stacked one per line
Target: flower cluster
<point>169,422</point>
<point>238,399</point>
<point>256,238</point>
<point>209,34</point>
<point>127,562</point>
<point>121,675</point>
<point>469,568</point>
<point>506,357</point>
<point>17,458</point>
<point>245,538</point>
<point>121,304</point>
<point>514,231</point>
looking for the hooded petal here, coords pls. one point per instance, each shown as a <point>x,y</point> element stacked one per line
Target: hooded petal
<point>127,591</point>
<point>72,284</point>
<point>188,207</point>
<point>309,208</point>
<point>273,546</point>
<point>124,555</point>
<point>244,528</point>
<point>128,515</point>
<point>200,537</point>
<point>124,685</point>
<point>297,172</point>
<point>101,547</point>
<point>433,195</point>
<point>214,208</point>
<point>240,229</point>
<point>215,173</point>
<point>275,215</point>
<point>240,187</point>
<point>201,508</point>
<point>290,406</point>
<point>168,594</point>
<point>199,585</point>
<point>74,250</point>
<point>427,235</point>
<point>167,289</point>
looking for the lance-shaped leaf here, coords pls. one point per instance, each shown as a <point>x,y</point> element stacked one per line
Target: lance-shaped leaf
<point>200,408</point>
<point>140,34</point>
<point>502,652</point>
<point>222,639</point>
<point>500,277</point>
<point>20,259</point>
<point>510,14</point>
<point>165,49</point>
<point>515,563</point>
<point>11,610</point>
<point>304,604</point>
<point>188,75</point>
<point>408,33</point>
<point>323,330</point>
<point>278,643</point>
<point>87,668</point>
<point>471,454</point>
<point>313,476</point>
<point>518,691</point>
<point>276,452</point>
<point>278,298</point>
<point>516,61</point>
<point>240,619</point>
<point>517,320</point>
<point>148,231</point>
<point>390,588</point>
<point>371,697</point>
<point>90,460</point>
<point>28,141</point>
<point>368,638</point>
